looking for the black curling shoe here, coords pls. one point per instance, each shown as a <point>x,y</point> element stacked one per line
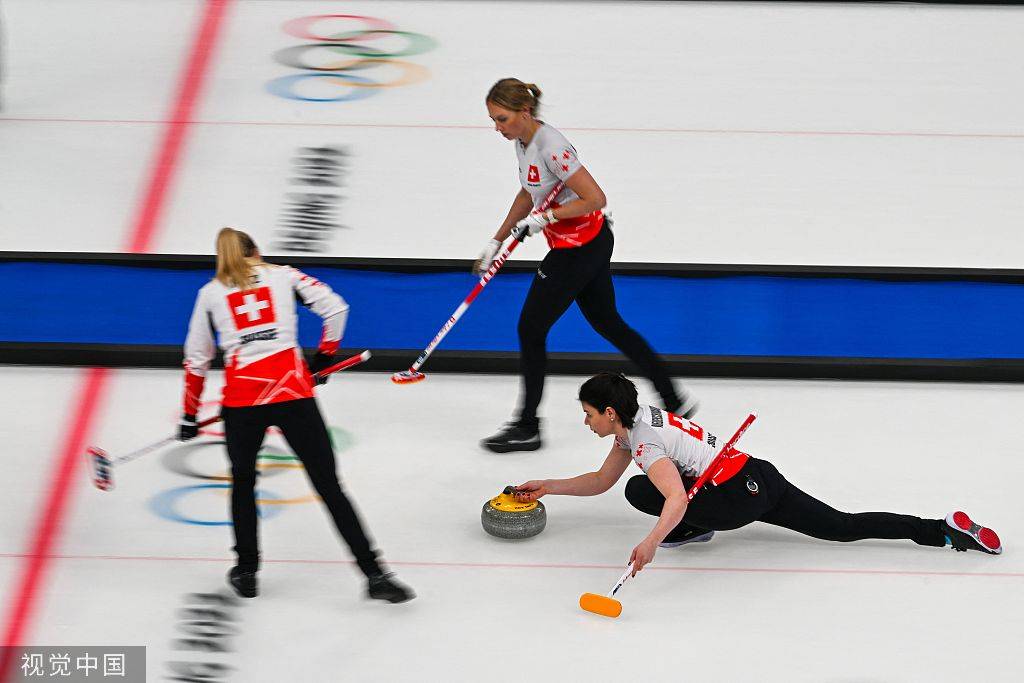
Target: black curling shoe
<point>384,587</point>
<point>243,582</point>
<point>514,436</point>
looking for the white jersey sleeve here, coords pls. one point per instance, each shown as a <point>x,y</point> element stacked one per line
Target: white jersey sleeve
<point>326,303</point>
<point>649,452</point>
<point>200,348</point>
<point>200,345</point>
<point>559,156</point>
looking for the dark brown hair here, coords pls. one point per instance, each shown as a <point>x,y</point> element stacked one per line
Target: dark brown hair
<point>610,389</point>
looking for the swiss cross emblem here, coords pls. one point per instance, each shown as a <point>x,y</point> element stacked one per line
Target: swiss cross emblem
<point>533,175</point>
<point>565,154</point>
<point>251,307</point>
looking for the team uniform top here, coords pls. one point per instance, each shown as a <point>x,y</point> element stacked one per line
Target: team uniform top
<point>546,161</point>
<point>257,329</point>
<point>658,434</point>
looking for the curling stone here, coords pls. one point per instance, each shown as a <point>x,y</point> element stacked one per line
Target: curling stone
<point>503,516</point>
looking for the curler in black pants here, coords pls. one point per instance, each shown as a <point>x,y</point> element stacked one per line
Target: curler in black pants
<point>304,430</point>
<point>580,274</point>
<point>733,505</point>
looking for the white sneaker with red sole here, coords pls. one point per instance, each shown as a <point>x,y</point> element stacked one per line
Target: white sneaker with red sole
<point>965,534</point>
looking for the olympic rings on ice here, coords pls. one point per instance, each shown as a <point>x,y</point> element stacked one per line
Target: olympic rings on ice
<point>320,77</point>
<point>300,28</point>
<point>285,87</point>
<point>188,505</point>
<point>166,504</point>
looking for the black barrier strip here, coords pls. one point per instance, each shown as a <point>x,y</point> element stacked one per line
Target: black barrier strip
<point>503,362</point>
<point>405,265</point>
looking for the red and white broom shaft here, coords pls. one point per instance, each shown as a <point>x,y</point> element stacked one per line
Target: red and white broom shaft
<point>713,468</point>
<point>491,272</point>
<point>454,318</point>
<point>341,365</point>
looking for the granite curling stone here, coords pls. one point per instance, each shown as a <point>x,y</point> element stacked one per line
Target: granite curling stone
<point>503,516</point>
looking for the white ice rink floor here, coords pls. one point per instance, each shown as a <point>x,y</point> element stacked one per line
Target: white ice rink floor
<point>757,604</point>
<point>796,133</point>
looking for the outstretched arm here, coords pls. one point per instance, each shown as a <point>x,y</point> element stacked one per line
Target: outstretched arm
<point>589,484</point>
<point>664,475</point>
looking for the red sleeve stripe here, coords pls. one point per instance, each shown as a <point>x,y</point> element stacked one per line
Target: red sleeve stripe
<point>193,390</point>
<point>328,347</point>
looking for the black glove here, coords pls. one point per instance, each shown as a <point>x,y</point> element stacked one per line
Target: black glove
<point>321,361</point>
<point>187,428</point>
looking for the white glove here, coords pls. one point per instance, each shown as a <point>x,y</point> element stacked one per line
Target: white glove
<point>486,258</point>
<point>535,222</point>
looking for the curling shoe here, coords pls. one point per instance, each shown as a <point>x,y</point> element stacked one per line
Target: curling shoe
<point>243,582</point>
<point>383,586</point>
<point>965,534</point>
<point>696,537</point>
<point>514,436</point>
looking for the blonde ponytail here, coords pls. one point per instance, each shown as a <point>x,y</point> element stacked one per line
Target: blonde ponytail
<point>236,256</point>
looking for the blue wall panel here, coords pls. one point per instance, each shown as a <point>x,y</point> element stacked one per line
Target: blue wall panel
<point>721,316</point>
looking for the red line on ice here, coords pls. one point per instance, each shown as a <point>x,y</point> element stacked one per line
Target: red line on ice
<point>144,226</point>
<point>1009,135</point>
<point>535,565</point>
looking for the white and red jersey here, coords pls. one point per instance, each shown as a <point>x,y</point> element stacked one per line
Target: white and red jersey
<point>658,434</point>
<point>546,161</point>
<point>257,329</point>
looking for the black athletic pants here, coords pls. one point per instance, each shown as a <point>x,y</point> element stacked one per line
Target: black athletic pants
<point>306,434</point>
<point>733,505</point>
<point>579,274</point>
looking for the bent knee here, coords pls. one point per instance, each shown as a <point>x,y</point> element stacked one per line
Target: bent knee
<point>641,494</point>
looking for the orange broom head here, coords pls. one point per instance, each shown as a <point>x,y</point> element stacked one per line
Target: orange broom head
<point>601,604</point>
<point>407,377</point>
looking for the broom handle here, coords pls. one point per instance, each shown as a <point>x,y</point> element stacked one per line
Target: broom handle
<point>622,580</point>
<point>484,279</point>
<point>158,444</point>
<point>712,469</point>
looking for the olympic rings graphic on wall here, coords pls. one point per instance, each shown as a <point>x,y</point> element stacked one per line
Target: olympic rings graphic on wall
<point>171,504</point>
<point>363,57</point>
